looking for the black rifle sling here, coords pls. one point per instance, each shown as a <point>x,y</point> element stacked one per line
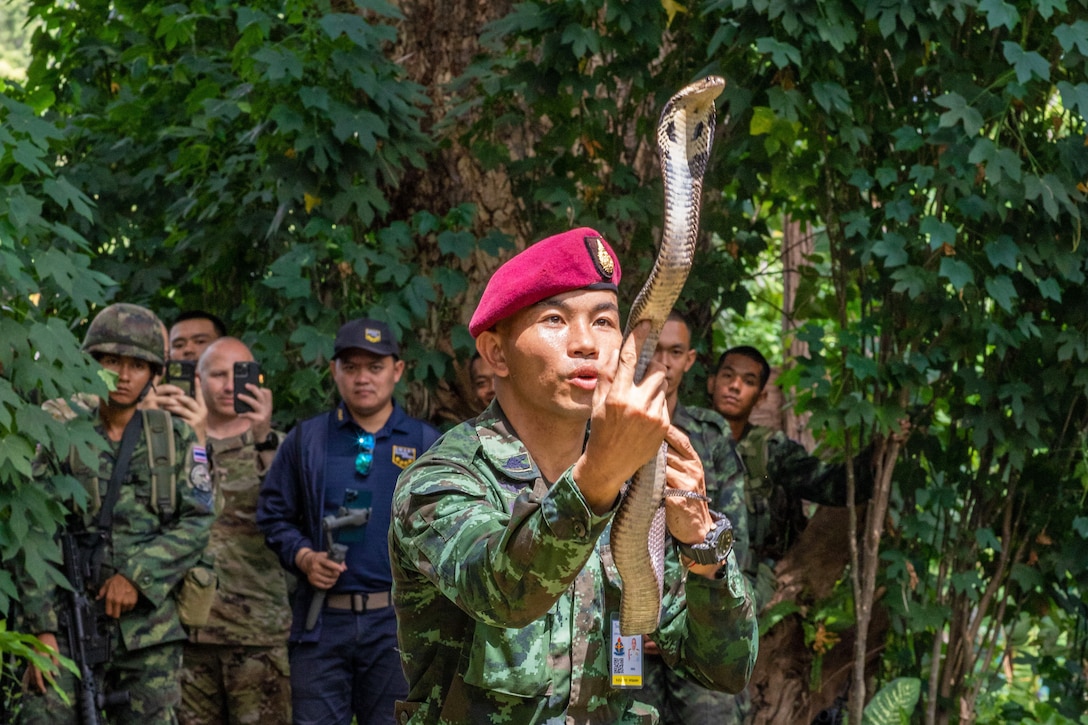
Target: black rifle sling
<point>104,520</point>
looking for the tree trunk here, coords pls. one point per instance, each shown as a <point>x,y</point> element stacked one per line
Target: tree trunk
<point>780,685</point>
<point>436,42</point>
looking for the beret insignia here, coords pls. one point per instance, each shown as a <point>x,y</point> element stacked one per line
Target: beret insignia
<point>602,260</point>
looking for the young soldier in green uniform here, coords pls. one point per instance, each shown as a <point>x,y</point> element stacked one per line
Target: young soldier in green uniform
<point>780,472</point>
<point>680,700</point>
<point>236,666</point>
<point>504,581</point>
<point>157,529</point>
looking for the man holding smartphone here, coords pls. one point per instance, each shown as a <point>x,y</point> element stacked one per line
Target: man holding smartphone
<point>344,658</point>
<point>235,667</point>
<point>192,332</point>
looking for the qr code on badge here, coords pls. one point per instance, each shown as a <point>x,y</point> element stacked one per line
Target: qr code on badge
<point>617,665</point>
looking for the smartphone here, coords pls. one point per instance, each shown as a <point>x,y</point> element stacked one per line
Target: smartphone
<point>245,372</point>
<point>181,373</point>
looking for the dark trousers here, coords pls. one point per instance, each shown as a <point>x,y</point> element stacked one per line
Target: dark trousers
<point>353,670</point>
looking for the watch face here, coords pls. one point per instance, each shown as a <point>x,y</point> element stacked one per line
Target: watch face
<point>720,539</point>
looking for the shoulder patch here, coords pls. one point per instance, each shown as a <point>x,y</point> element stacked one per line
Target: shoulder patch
<point>518,464</point>
<point>403,456</point>
<point>199,477</point>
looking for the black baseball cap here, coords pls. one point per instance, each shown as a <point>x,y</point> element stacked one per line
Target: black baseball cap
<point>366,334</point>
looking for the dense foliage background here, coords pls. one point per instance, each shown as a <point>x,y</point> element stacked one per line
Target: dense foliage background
<point>289,165</point>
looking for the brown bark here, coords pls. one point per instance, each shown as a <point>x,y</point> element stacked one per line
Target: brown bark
<point>807,574</point>
<point>436,43</point>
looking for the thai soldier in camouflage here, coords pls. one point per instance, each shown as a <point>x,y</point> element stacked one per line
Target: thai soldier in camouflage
<point>504,580</point>
<point>235,667</point>
<point>779,471</point>
<point>679,700</point>
<point>192,332</point>
<point>148,552</point>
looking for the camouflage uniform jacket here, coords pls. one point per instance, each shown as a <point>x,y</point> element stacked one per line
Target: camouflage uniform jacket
<point>713,440</point>
<point>503,586</point>
<point>153,555</point>
<point>779,474</point>
<point>251,606</point>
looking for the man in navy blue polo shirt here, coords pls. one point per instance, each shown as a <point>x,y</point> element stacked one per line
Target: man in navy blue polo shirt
<point>332,482</point>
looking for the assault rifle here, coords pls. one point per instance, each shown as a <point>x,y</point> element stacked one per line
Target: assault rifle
<point>87,627</point>
<point>337,552</point>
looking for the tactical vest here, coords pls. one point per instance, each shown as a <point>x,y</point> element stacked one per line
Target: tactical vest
<point>162,454</point>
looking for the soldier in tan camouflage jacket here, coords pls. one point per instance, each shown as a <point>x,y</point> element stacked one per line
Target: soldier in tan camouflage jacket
<point>236,666</point>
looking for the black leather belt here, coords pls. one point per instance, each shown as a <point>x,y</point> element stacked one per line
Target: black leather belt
<point>358,602</point>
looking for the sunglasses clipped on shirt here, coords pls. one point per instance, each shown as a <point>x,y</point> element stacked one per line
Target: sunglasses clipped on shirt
<point>366,453</point>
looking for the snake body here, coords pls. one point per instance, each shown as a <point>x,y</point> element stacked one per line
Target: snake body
<point>685,134</point>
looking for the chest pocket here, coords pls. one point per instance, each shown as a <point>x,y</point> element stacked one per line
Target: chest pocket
<point>511,661</point>
<point>152,477</point>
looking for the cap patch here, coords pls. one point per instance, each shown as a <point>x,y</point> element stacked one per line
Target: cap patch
<point>602,260</point>
<point>373,335</point>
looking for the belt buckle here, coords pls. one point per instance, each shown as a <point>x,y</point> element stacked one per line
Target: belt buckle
<point>358,602</point>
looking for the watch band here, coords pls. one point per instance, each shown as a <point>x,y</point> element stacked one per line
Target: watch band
<point>270,443</point>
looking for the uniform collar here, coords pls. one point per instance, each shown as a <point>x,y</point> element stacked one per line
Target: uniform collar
<point>501,446</point>
<point>396,423</point>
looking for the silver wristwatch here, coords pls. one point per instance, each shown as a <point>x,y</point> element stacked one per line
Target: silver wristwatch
<point>715,547</point>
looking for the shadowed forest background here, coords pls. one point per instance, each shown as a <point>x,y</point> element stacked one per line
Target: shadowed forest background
<point>894,210</point>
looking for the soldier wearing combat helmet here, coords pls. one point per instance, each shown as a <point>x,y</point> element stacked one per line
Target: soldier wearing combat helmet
<point>150,522</point>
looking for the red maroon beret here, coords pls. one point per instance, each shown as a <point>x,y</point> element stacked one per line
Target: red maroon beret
<point>578,259</point>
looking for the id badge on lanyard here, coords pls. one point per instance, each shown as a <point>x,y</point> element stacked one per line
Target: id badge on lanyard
<point>626,657</point>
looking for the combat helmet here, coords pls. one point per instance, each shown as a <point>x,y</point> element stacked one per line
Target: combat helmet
<point>124,329</point>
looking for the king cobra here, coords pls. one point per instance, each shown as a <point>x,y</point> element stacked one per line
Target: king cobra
<point>685,134</point>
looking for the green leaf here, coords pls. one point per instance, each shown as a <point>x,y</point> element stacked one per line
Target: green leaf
<point>832,97</point>
<point>1050,190</point>
<point>582,40</point>
<point>998,162</point>
<point>22,209</point>
<point>892,247</point>
<point>959,113</point>
<point>958,273</point>
<point>367,127</point>
<point>282,63</point>
<point>894,703</point>
<point>1050,289</point>
<point>782,54</point>
<point>462,339</point>
<point>1027,63</point>
<point>999,13</point>
<point>1003,252</point>
<point>1001,289</point>
<point>459,244</point>
<point>418,293</point>
<point>1074,97</point>
<point>15,449</point>
<point>775,614</point>
<point>939,232</point>
<point>1080,525</point>
<point>1074,35</point>
<point>451,281</point>
<point>763,120</point>
<point>62,192</point>
<point>911,281</point>
<point>313,342</point>
<point>314,97</point>
<point>249,16</point>
<point>1026,576</point>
